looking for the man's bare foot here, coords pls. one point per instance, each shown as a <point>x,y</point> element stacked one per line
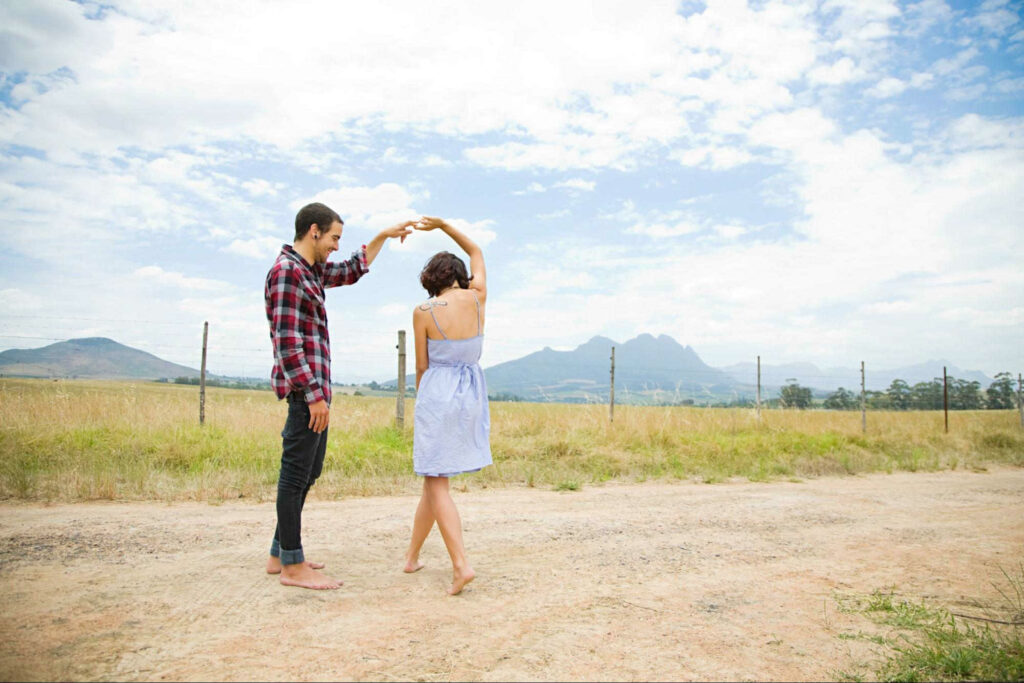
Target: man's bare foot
<point>412,566</point>
<point>460,578</point>
<point>274,565</point>
<point>305,577</point>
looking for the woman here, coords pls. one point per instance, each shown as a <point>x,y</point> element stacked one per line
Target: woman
<point>452,423</point>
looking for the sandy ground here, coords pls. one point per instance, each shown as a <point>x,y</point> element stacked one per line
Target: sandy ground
<point>647,581</point>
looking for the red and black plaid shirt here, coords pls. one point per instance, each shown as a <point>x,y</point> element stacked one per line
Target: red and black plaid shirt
<point>294,296</point>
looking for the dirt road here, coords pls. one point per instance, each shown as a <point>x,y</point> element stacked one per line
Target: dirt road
<point>640,581</point>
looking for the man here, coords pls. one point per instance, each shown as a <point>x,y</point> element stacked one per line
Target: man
<point>294,296</point>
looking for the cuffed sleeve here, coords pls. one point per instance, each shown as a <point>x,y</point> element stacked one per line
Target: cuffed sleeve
<point>346,272</point>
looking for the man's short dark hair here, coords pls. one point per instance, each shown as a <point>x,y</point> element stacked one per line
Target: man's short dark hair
<point>441,270</point>
<point>318,213</point>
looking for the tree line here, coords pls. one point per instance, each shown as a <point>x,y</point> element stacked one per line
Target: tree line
<point>963,395</point>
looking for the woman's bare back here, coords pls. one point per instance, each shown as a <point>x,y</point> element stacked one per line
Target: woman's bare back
<point>456,314</point>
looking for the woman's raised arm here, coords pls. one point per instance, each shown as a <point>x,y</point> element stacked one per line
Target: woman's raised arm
<point>476,255</point>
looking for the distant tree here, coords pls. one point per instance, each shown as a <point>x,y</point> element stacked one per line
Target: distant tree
<point>504,396</point>
<point>877,400</point>
<point>965,395</point>
<point>1000,394</point>
<point>841,399</point>
<point>926,395</point>
<point>795,396</point>
<point>373,385</point>
<point>899,395</point>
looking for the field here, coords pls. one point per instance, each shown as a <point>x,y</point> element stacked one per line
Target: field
<point>92,440</point>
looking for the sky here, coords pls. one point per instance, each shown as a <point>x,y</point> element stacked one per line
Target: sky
<point>829,181</point>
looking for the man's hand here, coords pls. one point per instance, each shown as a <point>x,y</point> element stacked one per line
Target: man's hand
<point>319,416</point>
<point>399,230</point>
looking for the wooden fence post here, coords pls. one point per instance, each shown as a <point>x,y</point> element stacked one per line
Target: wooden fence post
<point>1020,398</point>
<point>759,387</point>
<point>202,377</point>
<point>611,392</point>
<point>400,405</point>
<point>863,402</point>
<point>945,397</point>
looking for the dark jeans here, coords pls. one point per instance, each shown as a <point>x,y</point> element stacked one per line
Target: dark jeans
<point>302,461</point>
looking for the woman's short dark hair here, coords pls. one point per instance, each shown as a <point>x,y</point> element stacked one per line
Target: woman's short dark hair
<point>324,217</point>
<point>441,270</point>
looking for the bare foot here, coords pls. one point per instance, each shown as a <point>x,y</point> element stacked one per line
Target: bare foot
<point>305,577</point>
<point>274,565</point>
<point>460,578</point>
<point>412,566</point>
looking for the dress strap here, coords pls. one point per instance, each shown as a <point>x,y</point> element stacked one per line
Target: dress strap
<point>432,304</point>
<point>477,299</point>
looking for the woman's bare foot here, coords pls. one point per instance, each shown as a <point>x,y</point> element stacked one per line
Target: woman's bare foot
<point>460,578</point>
<point>412,565</point>
<point>274,565</point>
<point>304,576</point>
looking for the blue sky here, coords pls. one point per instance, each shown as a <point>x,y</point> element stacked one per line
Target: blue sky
<point>827,181</point>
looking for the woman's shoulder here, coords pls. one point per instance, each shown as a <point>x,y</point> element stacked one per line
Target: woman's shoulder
<point>429,304</point>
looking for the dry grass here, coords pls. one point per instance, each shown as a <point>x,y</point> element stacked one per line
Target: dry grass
<point>80,440</point>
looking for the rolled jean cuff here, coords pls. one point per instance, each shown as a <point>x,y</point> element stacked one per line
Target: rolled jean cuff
<point>275,548</point>
<point>292,556</point>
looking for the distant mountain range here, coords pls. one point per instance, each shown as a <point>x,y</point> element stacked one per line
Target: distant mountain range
<point>810,375</point>
<point>652,369</point>
<point>648,369</point>
<point>657,368</point>
<point>89,358</point>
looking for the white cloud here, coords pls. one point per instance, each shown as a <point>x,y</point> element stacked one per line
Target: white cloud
<point>843,70</point>
<point>949,65</point>
<point>663,229</point>
<point>887,87</point>
<point>532,188</point>
<point>151,275</point>
<point>262,248</point>
<point>366,209</point>
<point>717,158</point>
<point>995,17</point>
<point>262,188</point>
<point>577,184</point>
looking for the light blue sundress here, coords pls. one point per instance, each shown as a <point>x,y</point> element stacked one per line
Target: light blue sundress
<point>452,433</point>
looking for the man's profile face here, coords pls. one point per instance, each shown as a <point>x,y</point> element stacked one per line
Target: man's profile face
<point>329,242</point>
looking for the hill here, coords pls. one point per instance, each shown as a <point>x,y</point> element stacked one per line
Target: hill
<point>89,358</point>
<point>648,370</point>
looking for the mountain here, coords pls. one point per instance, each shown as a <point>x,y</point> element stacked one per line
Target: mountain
<point>89,358</point>
<point>809,375</point>
<point>648,369</point>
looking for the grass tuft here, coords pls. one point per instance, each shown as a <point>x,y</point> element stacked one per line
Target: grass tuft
<point>933,644</point>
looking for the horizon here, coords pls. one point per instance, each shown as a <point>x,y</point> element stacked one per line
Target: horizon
<point>809,181</point>
<point>830,372</point>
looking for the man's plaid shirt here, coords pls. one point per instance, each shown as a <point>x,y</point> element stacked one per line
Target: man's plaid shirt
<point>294,296</point>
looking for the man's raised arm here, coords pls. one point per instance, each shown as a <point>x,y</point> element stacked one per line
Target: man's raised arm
<point>401,230</point>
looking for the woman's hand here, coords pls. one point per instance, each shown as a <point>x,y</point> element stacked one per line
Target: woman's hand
<point>430,223</point>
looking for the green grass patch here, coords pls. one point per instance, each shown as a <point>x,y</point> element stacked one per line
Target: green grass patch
<point>122,440</point>
<point>931,643</point>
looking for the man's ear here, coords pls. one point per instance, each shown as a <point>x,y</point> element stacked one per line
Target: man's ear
<point>315,229</point>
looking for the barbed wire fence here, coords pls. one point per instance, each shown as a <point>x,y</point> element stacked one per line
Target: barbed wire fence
<point>246,358</point>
